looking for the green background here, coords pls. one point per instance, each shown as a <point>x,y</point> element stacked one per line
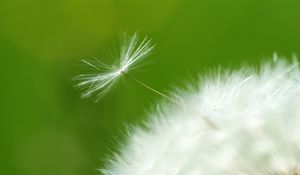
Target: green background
<point>46,129</point>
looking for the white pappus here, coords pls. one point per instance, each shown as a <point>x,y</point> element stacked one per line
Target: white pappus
<point>132,51</point>
<point>257,119</point>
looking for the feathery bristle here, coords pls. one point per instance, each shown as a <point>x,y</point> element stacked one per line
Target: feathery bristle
<point>132,50</point>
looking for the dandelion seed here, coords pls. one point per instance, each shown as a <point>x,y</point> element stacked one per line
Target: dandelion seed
<point>132,51</point>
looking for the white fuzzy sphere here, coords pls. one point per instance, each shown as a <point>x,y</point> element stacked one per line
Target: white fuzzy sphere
<point>242,123</point>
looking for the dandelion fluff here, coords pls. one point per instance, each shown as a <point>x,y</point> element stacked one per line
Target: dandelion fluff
<point>257,114</point>
<point>132,51</point>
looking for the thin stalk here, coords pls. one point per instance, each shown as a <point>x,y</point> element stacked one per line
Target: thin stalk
<point>150,88</point>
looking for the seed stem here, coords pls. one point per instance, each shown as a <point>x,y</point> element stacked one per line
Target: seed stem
<point>149,88</point>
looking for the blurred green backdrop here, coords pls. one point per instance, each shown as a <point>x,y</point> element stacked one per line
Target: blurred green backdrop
<point>46,129</point>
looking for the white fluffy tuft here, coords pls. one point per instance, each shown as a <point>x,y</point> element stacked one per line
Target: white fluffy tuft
<point>257,119</point>
<point>132,51</point>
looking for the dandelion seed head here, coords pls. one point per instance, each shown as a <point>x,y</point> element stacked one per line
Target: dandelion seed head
<point>258,117</point>
<point>132,51</point>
